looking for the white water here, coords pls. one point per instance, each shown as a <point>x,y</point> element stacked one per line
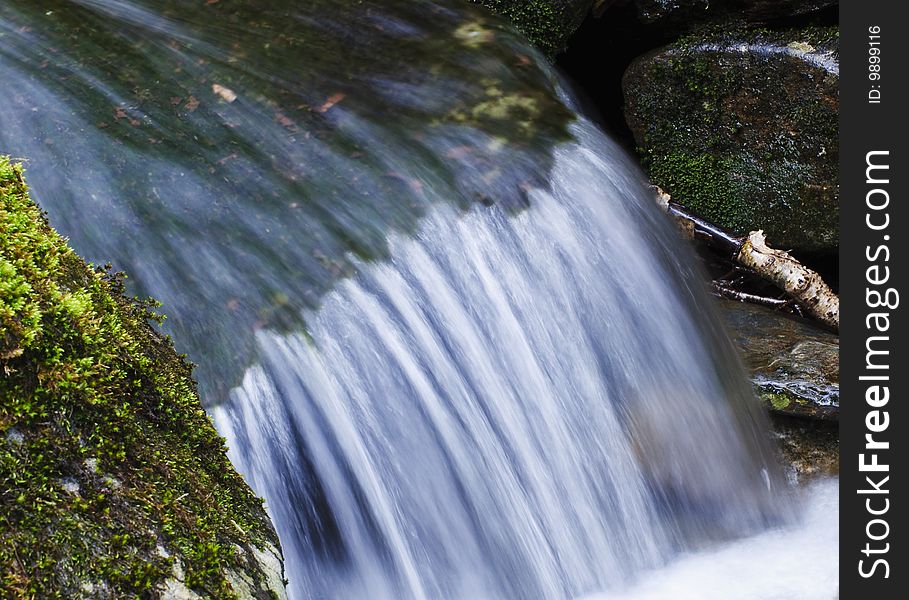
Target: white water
<point>799,562</point>
<point>527,406</point>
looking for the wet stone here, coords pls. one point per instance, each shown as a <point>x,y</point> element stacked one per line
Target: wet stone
<point>794,366</point>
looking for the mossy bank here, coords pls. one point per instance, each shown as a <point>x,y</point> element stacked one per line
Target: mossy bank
<point>114,481</point>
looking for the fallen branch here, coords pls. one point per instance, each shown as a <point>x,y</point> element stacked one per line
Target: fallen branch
<point>792,277</point>
<point>798,281</point>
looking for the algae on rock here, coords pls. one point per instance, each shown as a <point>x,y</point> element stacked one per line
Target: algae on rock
<point>114,481</point>
<point>794,365</point>
<point>280,193</point>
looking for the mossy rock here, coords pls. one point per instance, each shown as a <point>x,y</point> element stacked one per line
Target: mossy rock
<point>546,23</point>
<point>741,128</point>
<point>114,481</point>
<point>694,12</point>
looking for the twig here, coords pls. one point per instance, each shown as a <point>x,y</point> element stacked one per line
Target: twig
<point>732,294</point>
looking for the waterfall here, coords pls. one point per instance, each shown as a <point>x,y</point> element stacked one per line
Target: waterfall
<point>445,331</point>
<point>527,406</point>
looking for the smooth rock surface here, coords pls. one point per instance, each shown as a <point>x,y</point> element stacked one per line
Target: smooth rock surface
<point>794,366</point>
<point>795,370</point>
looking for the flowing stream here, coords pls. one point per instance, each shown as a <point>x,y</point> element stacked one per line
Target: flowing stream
<point>445,332</point>
<point>506,408</point>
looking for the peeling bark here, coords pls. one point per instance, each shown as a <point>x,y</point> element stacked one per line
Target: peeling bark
<point>799,282</point>
<point>794,278</point>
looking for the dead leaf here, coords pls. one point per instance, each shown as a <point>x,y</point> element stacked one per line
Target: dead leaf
<point>458,152</point>
<point>331,101</point>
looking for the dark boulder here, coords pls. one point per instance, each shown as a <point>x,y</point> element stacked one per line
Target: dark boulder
<point>808,449</point>
<point>794,368</point>
<point>742,129</point>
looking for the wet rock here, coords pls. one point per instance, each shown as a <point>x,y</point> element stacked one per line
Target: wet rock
<point>794,366</point>
<point>460,81</point>
<point>795,370</point>
<point>546,23</point>
<point>741,128</point>
<point>808,449</point>
<point>696,12</point>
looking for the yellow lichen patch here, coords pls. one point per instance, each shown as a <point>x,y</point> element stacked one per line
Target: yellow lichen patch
<point>506,107</point>
<point>801,46</point>
<point>474,34</point>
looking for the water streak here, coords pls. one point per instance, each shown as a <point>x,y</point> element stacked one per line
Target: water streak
<point>528,406</point>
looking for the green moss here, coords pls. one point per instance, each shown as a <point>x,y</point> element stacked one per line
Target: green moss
<point>782,401</point>
<point>546,23</point>
<point>110,468</point>
<point>703,177</point>
<point>777,400</point>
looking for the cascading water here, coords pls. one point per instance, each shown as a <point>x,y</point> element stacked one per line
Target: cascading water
<point>448,337</point>
<point>511,407</point>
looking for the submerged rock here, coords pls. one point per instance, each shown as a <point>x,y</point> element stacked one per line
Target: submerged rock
<point>256,137</point>
<point>115,481</point>
<point>546,23</point>
<point>742,128</point>
<point>794,366</point>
